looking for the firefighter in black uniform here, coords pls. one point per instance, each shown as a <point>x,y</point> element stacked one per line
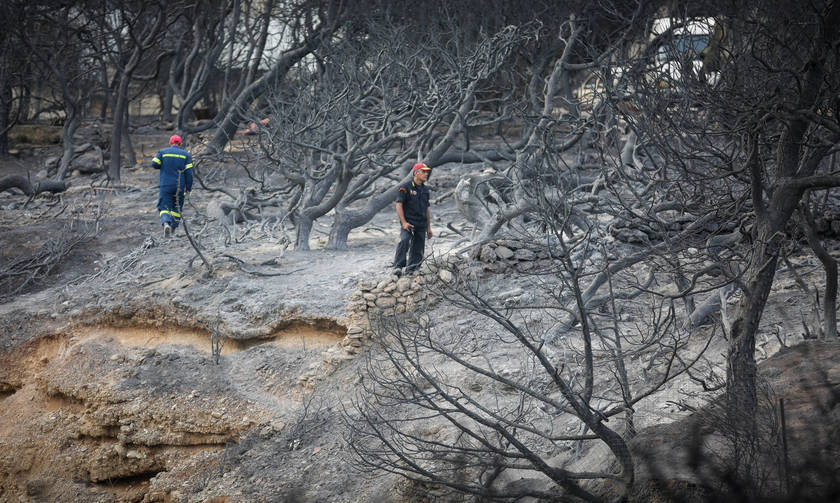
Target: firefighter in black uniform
<point>415,219</point>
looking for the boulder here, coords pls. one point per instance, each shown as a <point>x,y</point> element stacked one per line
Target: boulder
<point>88,163</point>
<point>525,254</point>
<point>504,253</point>
<point>51,163</point>
<point>403,284</point>
<point>386,302</point>
<point>487,254</point>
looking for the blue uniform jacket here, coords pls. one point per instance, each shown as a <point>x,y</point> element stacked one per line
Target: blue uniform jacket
<point>175,165</point>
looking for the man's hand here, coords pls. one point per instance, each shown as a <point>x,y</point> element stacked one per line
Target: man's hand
<point>407,226</point>
<point>428,232</point>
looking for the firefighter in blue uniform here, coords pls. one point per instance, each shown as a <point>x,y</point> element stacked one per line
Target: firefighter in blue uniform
<point>415,219</point>
<point>176,179</point>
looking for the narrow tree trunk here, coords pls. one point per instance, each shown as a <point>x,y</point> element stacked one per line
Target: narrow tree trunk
<point>166,104</point>
<point>26,103</point>
<point>830,299</point>
<point>117,131</point>
<point>107,95</point>
<point>741,371</point>
<point>126,136</point>
<point>5,114</point>
<point>303,229</point>
<point>829,263</point>
<point>71,124</point>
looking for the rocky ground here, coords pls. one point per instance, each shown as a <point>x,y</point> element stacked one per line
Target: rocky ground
<point>128,373</point>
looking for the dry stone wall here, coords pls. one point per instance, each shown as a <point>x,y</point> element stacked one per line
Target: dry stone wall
<point>389,295</point>
<point>397,295</point>
<point>509,255</point>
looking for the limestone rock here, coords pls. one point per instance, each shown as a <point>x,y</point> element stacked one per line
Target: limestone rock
<point>385,302</point>
<point>504,253</point>
<point>487,254</point>
<point>525,254</point>
<point>403,284</point>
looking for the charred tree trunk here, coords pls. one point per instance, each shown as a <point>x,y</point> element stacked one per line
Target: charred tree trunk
<point>126,136</point>
<point>337,181</point>
<point>341,227</point>
<point>829,307</point>
<point>166,104</point>
<point>107,94</point>
<point>303,229</point>
<point>345,220</point>
<point>71,124</point>
<point>23,183</point>
<point>5,116</point>
<point>117,132</point>
<point>25,103</point>
<point>830,297</point>
<point>143,41</point>
<point>237,112</point>
<point>794,164</point>
<point>741,372</point>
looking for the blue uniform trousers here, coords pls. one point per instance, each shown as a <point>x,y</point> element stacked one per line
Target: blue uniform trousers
<point>170,204</point>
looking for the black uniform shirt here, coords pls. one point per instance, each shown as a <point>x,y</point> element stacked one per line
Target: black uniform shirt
<point>415,201</point>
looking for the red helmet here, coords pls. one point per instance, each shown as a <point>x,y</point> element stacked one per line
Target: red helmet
<point>174,140</point>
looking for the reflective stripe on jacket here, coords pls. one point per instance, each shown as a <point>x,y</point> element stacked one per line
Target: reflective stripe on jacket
<point>175,165</point>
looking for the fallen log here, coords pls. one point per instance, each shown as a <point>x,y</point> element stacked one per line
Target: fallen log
<point>30,189</point>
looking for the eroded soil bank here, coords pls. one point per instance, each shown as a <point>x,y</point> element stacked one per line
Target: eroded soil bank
<point>97,412</point>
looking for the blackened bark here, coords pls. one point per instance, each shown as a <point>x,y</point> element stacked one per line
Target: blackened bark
<point>341,227</point>
<point>5,115</point>
<point>228,127</point>
<point>71,124</point>
<point>117,131</point>
<point>166,104</point>
<point>30,189</point>
<point>829,328</point>
<point>302,231</point>
<point>345,221</point>
<point>741,369</point>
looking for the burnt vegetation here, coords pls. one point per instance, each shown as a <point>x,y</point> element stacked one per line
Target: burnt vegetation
<point>664,164</point>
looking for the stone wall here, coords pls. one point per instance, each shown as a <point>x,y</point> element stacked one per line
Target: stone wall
<point>390,295</point>
<point>508,255</point>
<point>396,295</point>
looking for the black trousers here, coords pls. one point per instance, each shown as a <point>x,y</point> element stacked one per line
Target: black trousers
<point>412,242</point>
